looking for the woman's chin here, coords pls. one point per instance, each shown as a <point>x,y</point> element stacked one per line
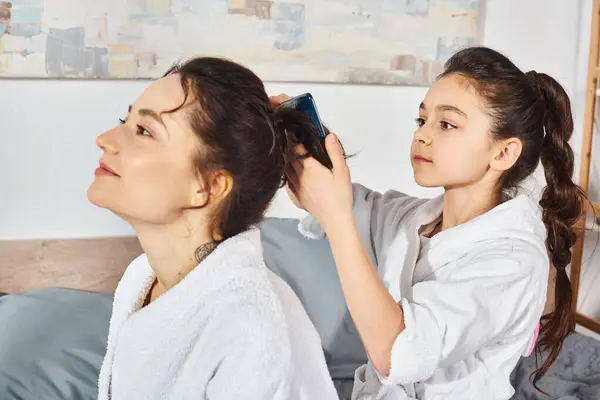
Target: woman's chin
<point>105,203</point>
<point>97,197</point>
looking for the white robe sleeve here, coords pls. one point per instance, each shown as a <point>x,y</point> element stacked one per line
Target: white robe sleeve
<point>378,218</point>
<point>494,297</point>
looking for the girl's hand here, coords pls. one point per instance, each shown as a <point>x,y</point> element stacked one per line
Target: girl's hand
<point>280,98</point>
<point>325,194</point>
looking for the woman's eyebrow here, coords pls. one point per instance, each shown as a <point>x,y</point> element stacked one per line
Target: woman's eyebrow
<point>146,112</point>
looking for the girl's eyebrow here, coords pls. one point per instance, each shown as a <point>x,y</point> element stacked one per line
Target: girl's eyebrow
<point>446,107</point>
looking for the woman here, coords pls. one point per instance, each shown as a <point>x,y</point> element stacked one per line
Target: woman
<point>192,168</point>
<point>447,293</point>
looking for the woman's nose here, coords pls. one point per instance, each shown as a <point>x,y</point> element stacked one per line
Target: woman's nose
<point>108,141</point>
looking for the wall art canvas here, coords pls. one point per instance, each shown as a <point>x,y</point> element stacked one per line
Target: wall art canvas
<point>339,41</point>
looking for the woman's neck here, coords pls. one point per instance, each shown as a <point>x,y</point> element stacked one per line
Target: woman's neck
<point>171,250</point>
<point>464,204</point>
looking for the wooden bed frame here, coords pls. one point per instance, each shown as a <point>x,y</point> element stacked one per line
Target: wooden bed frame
<point>83,264</point>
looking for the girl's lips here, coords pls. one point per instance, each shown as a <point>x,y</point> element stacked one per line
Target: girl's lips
<point>420,159</point>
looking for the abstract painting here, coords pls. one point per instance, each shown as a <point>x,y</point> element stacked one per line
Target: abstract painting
<point>340,41</point>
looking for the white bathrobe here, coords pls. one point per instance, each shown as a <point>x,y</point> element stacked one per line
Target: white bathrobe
<point>229,330</point>
<point>472,295</point>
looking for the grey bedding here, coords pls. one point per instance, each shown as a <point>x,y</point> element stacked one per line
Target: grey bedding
<point>52,343</point>
<point>575,375</point>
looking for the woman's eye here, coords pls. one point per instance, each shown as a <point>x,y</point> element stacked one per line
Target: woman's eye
<point>142,131</point>
<point>122,121</point>
<point>420,122</point>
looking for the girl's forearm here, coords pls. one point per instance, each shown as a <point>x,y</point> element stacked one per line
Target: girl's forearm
<point>377,316</point>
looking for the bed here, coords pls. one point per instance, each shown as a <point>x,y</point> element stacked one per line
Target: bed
<point>94,264</point>
<point>56,313</point>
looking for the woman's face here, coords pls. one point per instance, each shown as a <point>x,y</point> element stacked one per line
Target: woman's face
<point>146,172</point>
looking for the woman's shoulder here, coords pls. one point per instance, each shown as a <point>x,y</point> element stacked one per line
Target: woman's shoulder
<point>136,274</point>
<point>262,306</point>
<point>260,295</point>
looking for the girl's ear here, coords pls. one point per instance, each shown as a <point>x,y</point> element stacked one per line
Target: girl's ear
<point>506,155</point>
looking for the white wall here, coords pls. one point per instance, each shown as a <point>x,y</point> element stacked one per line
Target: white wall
<point>48,128</point>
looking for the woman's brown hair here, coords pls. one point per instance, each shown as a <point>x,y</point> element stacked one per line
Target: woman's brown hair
<point>242,134</point>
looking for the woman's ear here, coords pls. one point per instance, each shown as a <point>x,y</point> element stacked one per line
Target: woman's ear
<point>221,184</point>
<point>213,187</point>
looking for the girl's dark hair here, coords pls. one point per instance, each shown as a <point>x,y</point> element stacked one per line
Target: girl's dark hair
<point>535,109</point>
<point>243,134</point>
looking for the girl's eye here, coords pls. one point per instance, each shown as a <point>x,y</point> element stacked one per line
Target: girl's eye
<point>447,126</point>
<point>142,131</point>
<point>122,121</point>
<point>420,122</point>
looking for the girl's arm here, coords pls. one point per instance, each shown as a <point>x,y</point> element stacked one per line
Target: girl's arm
<point>328,197</point>
<point>378,318</point>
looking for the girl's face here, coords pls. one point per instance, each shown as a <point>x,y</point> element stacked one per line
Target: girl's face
<point>146,172</point>
<point>452,146</point>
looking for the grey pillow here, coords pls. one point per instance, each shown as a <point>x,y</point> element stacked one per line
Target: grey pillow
<point>52,344</point>
<point>308,267</point>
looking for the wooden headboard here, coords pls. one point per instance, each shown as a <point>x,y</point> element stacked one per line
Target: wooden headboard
<point>83,264</point>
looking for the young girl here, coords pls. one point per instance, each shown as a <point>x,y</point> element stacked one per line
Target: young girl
<point>192,168</point>
<point>447,293</point>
